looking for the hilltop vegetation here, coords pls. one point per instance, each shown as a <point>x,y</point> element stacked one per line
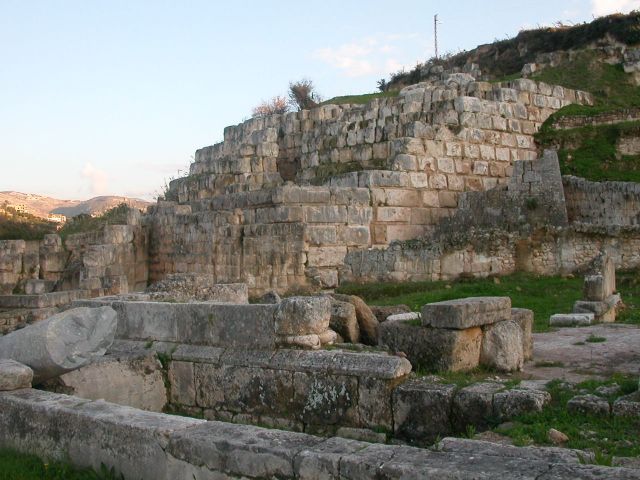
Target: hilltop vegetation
<point>16,225</point>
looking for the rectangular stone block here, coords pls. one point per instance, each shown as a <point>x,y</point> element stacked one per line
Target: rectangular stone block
<point>466,312</point>
<point>571,319</point>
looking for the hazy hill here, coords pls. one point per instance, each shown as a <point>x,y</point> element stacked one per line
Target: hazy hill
<point>41,205</point>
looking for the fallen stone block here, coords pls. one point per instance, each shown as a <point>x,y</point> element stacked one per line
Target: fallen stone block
<point>604,312</point>
<point>64,342</point>
<point>367,321</point>
<point>383,312</point>
<point>466,312</point>
<point>571,319</point>
<point>589,404</point>
<point>473,405</point>
<point>14,375</point>
<point>194,287</point>
<point>627,406</point>
<point>344,321</point>
<point>501,347</point>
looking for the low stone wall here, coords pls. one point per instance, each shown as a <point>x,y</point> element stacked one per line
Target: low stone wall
<point>154,446</point>
<point>605,204</point>
<point>577,121</point>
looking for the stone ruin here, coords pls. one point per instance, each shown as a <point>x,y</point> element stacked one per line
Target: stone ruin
<point>232,366</point>
<point>440,182</point>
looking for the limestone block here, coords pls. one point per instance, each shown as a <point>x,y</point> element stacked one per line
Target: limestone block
<point>434,349</point>
<point>37,287</point>
<point>325,399</point>
<point>344,321</point>
<point>62,343</point>
<point>182,383</point>
<point>627,406</point>
<point>421,410</point>
<point>405,317</point>
<point>310,342</point>
<point>594,288</point>
<point>466,312</point>
<point>302,316</point>
<point>14,375</point>
<point>524,318</point>
<point>589,404</point>
<point>131,380</point>
<point>326,256</point>
<point>511,403</point>
<point>367,321</point>
<point>571,319</point>
<point>502,347</point>
<point>473,405</point>
<point>321,235</point>
<point>393,214</point>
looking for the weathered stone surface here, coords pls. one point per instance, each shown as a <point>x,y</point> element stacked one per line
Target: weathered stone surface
<point>131,380</point>
<point>473,405</point>
<point>367,321</point>
<point>197,287</point>
<point>405,317</point>
<point>524,318</point>
<point>194,323</point>
<point>421,410</point>
<point>63,342</point>
<point>344,321</point>
<point>502,347</point>
<point>627,406</point>
<point>323,400</point>
<point>436,349</point>
<point>153,446</point>
<point>571,319</point>
<point>270,297</point>
<point>14,375</point>
<point>466,312</point>
<point>383,312</point>
<point>311,342</point>
<point>46,300</point>
<point>589,404</point>
<point>88,433</point>
<point>511,403</point>
<point>303,315</point>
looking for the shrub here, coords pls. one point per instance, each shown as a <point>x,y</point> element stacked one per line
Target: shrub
<point>302,95</point>
<point>277,105</point>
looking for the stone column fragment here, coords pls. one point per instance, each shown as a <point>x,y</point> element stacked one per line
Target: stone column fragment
<point>62,343</point>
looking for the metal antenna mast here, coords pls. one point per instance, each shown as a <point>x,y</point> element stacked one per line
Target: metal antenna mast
<point>435,32</point>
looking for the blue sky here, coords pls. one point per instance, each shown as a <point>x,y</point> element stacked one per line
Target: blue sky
<point>113,97</point>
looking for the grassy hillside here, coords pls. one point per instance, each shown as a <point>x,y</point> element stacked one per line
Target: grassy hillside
<point>507,57</point>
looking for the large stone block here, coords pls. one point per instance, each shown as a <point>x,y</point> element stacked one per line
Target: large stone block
<point>502,347</point>
<point>473,405</point>
<point>421,410</point>
<point>466,312</point>
<point>433,349</point>
<point>525,319</point>
<point>303,315</point>
<point>367,321</point>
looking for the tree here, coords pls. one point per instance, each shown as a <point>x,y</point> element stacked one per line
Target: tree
<point>382,84</point>
<point>302,95</point>
<point>277,105</point>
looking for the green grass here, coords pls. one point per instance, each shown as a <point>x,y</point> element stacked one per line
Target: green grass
<point>544,295</point>
<point>23,226</point>
<point>19,466</point>
<point>590,152</point>
<point>359,99</point>
<point>603,435</point>
<point>595,339</point>
<point>609,84</point>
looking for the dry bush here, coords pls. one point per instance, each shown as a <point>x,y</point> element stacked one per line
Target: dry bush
<point>302,95</point>
<point>277,105</point>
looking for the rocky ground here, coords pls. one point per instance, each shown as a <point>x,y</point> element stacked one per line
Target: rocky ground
<point>573,355</point>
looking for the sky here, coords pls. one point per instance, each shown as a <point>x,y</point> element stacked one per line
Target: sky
<point>113,98</point>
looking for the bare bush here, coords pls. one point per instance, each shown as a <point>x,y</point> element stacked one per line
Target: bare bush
<point>277,105</point>
<point>302,95</point>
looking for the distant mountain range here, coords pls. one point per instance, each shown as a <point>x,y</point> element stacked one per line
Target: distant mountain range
<point>42,206</point>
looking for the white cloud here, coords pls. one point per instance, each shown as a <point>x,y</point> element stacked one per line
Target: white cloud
<point>606,7</point>
<point>98,180</point>
<point>371,55</point>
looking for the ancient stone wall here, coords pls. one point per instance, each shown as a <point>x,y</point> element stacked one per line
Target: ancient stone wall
<point>387,171</point>
<point>111,260</point>
<point>602,203</point>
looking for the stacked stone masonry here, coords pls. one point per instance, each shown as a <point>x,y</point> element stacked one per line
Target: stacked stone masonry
<point>365,176</point>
